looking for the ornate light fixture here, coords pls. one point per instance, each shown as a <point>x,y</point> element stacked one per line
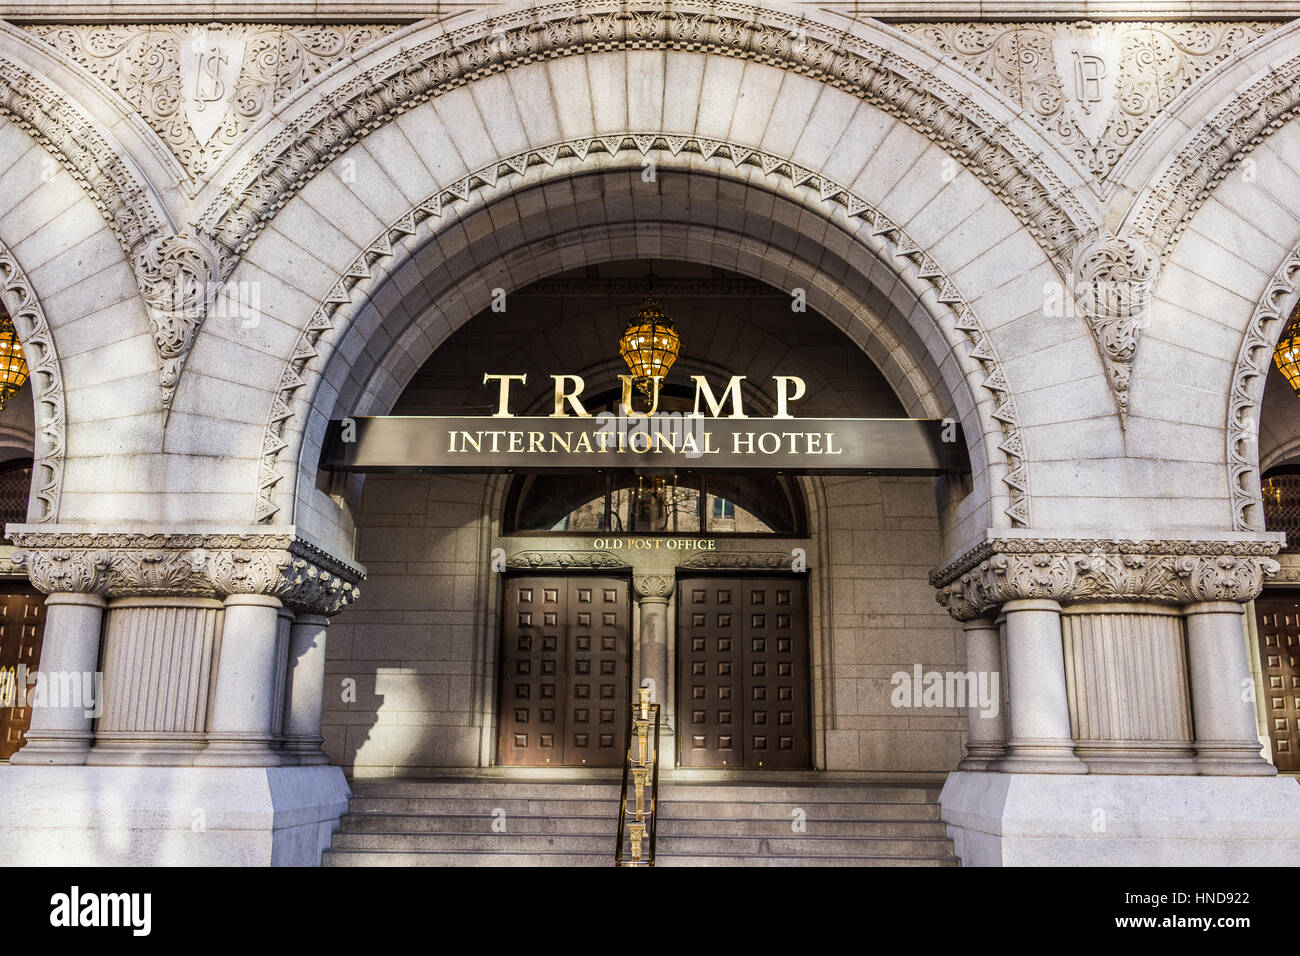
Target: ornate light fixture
<point>1287,354</point>
<point>13,367</point>
<point>650,344</point>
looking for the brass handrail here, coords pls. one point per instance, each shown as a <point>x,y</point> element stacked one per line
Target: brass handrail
<point>645,718</point>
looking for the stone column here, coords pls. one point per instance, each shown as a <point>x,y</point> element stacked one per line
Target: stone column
<point>281,680</point>
<point>243,703</point>
<point>986,733</point>
<point>70,645</point>
<point>302,721</point>
<point>1040,740</point>
<point>1222,712</point>
<point>653,592</point>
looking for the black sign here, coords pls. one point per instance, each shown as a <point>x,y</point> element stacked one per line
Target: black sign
<point>663,442</point>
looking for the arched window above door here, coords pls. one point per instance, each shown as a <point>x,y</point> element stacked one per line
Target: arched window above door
<point>714,504</point>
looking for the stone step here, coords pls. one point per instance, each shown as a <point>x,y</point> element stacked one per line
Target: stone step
<point>478,805</point>
<point>822,793</point>
<point>339,858</point>
<point>672,861</point>
<point>933,829</point>
<point>477,842</point>
<point>684,810</point>
<point>517,789</point>
<point>479,823</point>
<point>808,846</point>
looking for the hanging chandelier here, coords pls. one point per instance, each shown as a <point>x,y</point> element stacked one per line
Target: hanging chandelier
<point>1287,354</point>
<point>13,367</point>
<point>650,344</point>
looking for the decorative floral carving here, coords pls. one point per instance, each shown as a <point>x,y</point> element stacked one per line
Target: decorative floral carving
<point>1007,166</point>
<point>123,564</point>
<point>1215,147</point>
<point>653,587</point>
<point>47,386</point>
<point>566,559</point>
<point>202,87</point>
<point>884,233</point>
<point>1074,570</point>
<point>1114,280</point>
<point>739,561</point>
<point>1094,87</point>
<point>179,277</point>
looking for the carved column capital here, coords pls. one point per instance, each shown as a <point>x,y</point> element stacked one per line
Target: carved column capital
<point>1010,566</point>
<point>278,564</point>
<point>653,588</point>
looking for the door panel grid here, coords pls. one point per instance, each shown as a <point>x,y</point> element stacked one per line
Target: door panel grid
<point>1278,620</point>
<point>564,680</point>
<point>743,673</point>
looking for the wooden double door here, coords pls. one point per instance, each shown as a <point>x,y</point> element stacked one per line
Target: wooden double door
<point>22,622</point>
<point>742,672</point>
<point>565,679</point>
<point>1277,616</point>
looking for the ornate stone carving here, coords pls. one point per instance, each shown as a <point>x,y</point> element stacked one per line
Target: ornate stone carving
<point>654,587</point>
<point>85,150</point>
<point>1114,280</point>
<point>202,87</point>
<point>565,559</point>
<point>124,564</point>
<point>1007,166</point>
<point>1094,87</point>
<point>1254,359</point>
<point>179,277</point>
<point>739,561</point>
<point>425,216</point>
<point>47,386</point>
<point>1217,145</point>
<point>1071,570</point>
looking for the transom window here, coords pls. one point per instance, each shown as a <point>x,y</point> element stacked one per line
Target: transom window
<point>659,504</point>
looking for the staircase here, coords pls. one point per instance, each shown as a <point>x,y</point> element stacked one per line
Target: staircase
<point>822,824</point>
<point>450,822</point>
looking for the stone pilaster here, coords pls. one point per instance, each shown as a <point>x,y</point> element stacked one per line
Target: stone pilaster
<point>159,658</point>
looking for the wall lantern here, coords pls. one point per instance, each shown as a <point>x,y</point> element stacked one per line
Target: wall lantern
<point>1287,354</point>
<point>13,367</point>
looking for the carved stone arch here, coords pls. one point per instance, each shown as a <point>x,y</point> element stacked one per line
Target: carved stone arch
<point>1233,109</point>
<point>1246,397</point>
<point>46,378</point>
<point>872,62</point>
<point>977,365</point>
<point>177,272</point>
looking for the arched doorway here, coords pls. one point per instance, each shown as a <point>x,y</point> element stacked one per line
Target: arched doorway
<point>472,664</point>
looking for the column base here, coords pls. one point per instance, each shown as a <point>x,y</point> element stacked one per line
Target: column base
<point>52,748</point>
<point>122,749</point>
<point>981,757</point>
<point>1231,758</point>
<point>1039,756</point>
<point>238,752</point>
<point>1138,757</point>
<point>168,816</point>
<point>1021,819</point>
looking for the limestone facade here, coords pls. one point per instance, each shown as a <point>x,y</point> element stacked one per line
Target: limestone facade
<point>1077,237</point>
